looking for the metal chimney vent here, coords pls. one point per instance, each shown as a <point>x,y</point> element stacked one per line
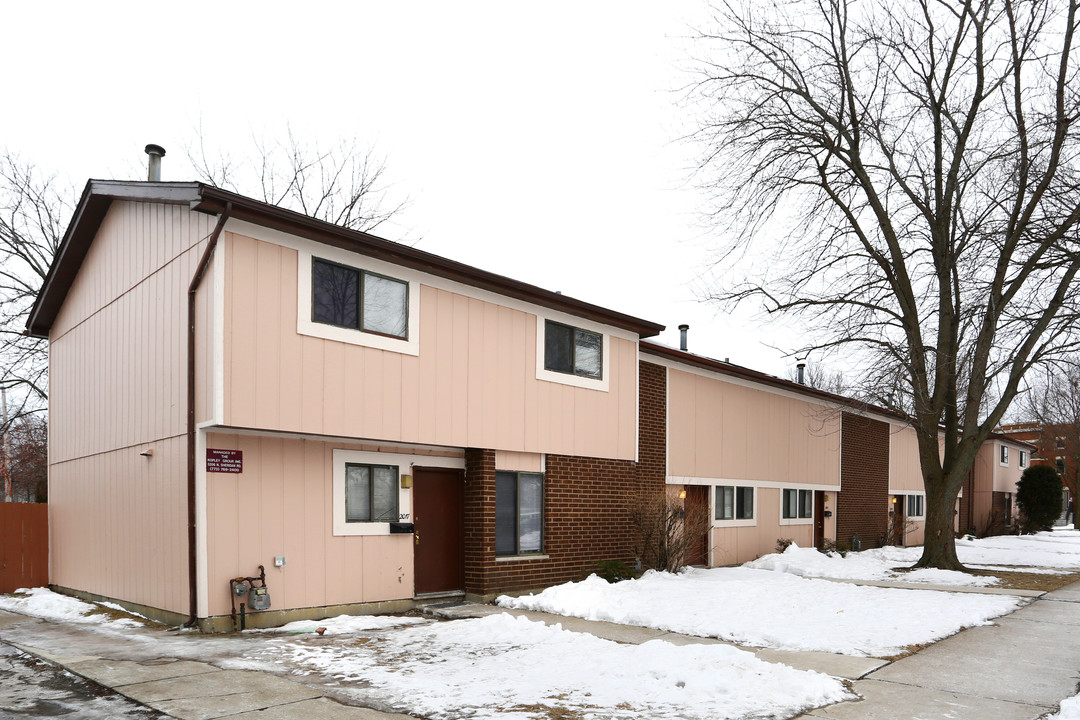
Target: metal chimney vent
<point>801,367</point>
<point>156,152</point>
<point>682,337</point>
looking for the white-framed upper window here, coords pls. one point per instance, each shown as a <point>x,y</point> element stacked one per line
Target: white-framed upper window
<point>916,506</point>
<point>796,506</point>
<point>1003,458</point>
<point>348,298</point>
<point>356,299</point>
<point>572,353</point>
<point>1023,458</point>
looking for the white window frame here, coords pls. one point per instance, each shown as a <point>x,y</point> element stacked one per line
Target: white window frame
<point>305,325</point>
<point>734,522</point>
<point>797,520</point>
<point>404,464</point>
<point>1023,459</point>
<point>582,381</point>
<point>1003,455</point>
<point>907,505</point>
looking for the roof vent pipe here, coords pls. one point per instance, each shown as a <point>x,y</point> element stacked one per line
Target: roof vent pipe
<point>801,367</point>
<point>156,152</point>
<point>682,337</point>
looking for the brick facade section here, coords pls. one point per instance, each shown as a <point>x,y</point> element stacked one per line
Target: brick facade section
<point>586,501</point>
<point>864,480</point>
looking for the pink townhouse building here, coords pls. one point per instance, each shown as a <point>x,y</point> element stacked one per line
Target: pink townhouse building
<point>235,385</point>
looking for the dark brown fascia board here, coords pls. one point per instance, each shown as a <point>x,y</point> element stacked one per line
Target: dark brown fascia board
<point>99,194</point>
<point>271,216</point>
<point>766,379</point>
<point>746,373</point>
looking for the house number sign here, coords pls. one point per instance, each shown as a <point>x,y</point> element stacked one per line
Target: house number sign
<point>224,461</point>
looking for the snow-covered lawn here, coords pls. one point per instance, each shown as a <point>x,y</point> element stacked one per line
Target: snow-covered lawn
<point>47,605</point>
<point>494,667</point>
<point>1047,552</point>
<point>510,668</point>
<point>773,609</point>
<point>876,564</point>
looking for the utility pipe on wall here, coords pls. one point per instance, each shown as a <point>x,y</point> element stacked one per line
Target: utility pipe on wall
<point>193,289</point>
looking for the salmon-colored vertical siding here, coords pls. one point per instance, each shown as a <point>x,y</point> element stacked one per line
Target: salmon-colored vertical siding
<point>718,429</point>
<point>1006,475</point>
<point>732,545</point>
<point>905,476</point>
<point>473,384</point>
<point>118,388</point>
<point>282,504</point>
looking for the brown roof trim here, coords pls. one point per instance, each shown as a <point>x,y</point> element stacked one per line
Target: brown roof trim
<point>99,194</point>
<point>746,373</point>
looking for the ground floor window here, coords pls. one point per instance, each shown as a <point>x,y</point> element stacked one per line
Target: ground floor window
<point>734,502</point>
<point>519,513</point>
<point>916,506</point>
<point>798,504</point>
<point>371,493</point>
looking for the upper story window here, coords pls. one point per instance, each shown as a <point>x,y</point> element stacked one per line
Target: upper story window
<point>351,298</point>
<point>573,350</point>
<point>1004,458</point>
<point>1023,459</point>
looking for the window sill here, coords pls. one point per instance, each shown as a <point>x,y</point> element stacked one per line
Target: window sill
<point>796,521</point>
<point>520,558</point>
<point>734,523</point>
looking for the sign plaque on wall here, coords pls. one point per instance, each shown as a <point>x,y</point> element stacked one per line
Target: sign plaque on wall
<point>224,461</point>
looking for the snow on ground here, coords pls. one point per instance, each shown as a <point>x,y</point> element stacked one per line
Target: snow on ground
<point>877,564</point>
<point>773,609</point>
<point>45,604</point>
<point>514,668</point>
<point>343,624</point>
<point>1070,709</point>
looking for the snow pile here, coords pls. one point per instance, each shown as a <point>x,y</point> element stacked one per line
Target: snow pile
<point>505,667</point>
<point>878,564</point>
<point>1070,709</point>
<point>47,605</point>
<point>773,609</point>
<point>343,624</point>
<point>1058,549</point>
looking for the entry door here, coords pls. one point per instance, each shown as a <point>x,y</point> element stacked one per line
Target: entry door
<point>696,504</point>
<point>819,519</point>
<point>438,501</point>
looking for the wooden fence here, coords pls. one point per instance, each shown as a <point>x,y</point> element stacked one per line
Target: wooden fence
<point>24,545</point>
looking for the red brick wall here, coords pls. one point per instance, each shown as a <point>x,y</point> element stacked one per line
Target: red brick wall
<point>585,506</point>
<point>862,503</point>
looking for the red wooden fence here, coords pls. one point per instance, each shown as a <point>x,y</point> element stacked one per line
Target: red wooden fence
<point>24,545</point>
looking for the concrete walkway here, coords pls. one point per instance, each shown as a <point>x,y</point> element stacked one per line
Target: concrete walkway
<point>1017,669</point>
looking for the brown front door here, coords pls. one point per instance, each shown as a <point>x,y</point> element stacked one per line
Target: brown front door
<point>438,501</point>
<point>696,505</point>
<point>819,519</point>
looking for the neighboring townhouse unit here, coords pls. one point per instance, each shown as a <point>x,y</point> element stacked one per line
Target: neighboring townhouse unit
<point>234,385</point>
<point>987,501</point>
<point>370,422</point>
<point>1056,445</point>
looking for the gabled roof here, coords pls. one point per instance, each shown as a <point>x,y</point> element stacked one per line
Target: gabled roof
<point>99,195</point>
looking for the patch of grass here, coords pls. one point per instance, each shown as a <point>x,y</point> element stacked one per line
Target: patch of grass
<point>114,614</point>
<point>1020,580</point>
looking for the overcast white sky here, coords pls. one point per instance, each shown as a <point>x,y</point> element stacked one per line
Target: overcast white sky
<point>540,141</point>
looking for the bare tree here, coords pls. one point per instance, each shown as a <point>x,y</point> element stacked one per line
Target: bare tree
<point>667,531</point>
<point>1053,402</point>
<point>343,184</point>
<point>914,165</point>
<point>29,460</point>
<point>34,207</point>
